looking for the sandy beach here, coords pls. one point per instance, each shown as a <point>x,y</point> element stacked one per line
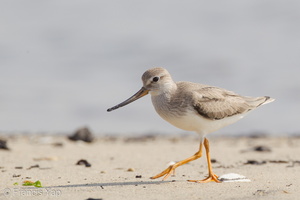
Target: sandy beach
<point>121,167</point>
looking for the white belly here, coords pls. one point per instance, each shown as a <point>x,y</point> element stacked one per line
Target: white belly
<point>194,122</point>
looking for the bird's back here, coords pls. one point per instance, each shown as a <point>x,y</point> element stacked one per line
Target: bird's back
<point>216,103</point>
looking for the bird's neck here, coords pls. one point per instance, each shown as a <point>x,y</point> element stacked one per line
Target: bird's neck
<point>167,90</point>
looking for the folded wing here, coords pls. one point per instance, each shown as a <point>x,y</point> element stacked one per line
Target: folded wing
<point>216,103</point>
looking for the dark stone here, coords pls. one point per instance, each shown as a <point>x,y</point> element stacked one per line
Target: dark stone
<point>3,145</point>
<point>255,162</point>
<point>83,162</point>
<point>93,199</point>
<point>262,149</point>
<point>18,167</point>
<point>33,166</point>
<point>83,134</point>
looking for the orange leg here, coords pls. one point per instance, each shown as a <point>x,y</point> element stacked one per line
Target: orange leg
<point>211,175</point>
<point>171,169</point>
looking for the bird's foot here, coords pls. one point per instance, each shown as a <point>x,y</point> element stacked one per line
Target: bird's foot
<point>211,177</point>
<point>167,172</point>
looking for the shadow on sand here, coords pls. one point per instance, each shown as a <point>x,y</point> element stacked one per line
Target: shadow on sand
<point>102,185</point>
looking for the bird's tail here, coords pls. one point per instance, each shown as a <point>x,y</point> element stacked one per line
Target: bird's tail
<point>258,101</point>
<point>267,100</point>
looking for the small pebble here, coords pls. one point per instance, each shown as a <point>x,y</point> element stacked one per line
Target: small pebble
<point>83,162</point>
<point>262,149</point>
<point>33,166</point>
<point>254,162</point>
<point>130,169</point>
<point>138,176</point>
<point>18,167</point>
<point>278,161</point>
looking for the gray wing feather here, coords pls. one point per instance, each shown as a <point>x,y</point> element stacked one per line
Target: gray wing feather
<point>216,103</point>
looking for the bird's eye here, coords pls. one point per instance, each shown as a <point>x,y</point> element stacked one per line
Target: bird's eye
<point>155,79</point>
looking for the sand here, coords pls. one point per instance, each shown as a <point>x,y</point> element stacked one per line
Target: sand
<point>121,167</point>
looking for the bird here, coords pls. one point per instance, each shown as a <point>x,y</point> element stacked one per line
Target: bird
<point>193,107</point>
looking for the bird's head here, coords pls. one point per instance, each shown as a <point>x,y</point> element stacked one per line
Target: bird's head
<point>155,81</point>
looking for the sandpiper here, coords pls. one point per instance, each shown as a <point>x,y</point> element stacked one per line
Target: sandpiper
<point>193,107</point>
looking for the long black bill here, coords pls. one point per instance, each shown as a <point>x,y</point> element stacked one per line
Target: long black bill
<point>142,92</point>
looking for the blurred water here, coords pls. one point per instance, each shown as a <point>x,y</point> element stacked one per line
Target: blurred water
<point>63,63</point>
